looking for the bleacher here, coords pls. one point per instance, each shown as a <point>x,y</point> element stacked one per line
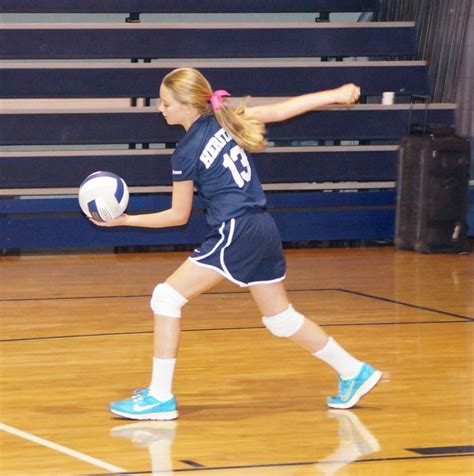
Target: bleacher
<point>329,174</point>
<point>185,6</point>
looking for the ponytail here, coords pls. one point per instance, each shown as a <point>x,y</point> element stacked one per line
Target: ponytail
<point>190,87</point>
<point>247,132</point>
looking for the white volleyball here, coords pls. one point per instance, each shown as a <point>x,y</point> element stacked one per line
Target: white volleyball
<point>103,196</point>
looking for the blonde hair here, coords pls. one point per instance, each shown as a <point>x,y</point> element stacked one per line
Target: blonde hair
<point>190,87</point>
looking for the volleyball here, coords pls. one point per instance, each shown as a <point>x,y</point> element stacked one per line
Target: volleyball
<point>103,196</point>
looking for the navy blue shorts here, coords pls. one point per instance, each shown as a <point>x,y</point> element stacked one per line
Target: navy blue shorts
<point>246,250</point>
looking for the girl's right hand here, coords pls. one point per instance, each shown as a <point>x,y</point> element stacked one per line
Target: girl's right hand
<point>122,220</point>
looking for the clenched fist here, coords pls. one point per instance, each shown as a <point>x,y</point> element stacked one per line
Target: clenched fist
<point>347,94</point>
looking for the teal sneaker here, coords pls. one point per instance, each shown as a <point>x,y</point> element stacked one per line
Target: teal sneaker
<point>143,406</point>
<point>351,390</point>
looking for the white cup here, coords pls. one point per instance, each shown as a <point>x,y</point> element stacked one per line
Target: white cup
<point>388,97</point>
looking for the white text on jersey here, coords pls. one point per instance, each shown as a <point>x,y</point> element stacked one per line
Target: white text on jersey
<point>213,147</point>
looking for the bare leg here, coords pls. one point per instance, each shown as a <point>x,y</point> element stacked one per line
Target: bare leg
<point>272,299</point>
<point>190,280</point>
<point>166,337</point>
<point>273,302</point>
<point>157,401</point>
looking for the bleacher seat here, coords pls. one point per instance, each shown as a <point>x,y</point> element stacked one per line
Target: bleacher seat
<point>241,77</point>
<point>144,125</point>
<point>205,40</point>
<point>185,6</point>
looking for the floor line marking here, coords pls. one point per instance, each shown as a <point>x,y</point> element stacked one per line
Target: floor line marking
<point>134,296</point>
<point>218,329</point>
<point>407,304</point>
<point>349,291</point>
<point>295,464</point>
<point>60,448</point>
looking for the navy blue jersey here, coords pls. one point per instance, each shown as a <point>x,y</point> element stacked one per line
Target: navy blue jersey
<point>223,173</point>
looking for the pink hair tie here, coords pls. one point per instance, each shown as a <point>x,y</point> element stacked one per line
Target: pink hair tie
<point>216,98</point>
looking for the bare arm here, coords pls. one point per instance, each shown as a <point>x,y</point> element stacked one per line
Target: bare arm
<point>178,214</point>
<point>346,94</point>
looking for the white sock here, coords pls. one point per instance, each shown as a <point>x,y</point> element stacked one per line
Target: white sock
<point>339,359</point>
<point>162,378</point>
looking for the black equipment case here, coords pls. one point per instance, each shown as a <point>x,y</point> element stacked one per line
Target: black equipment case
<point>432,190</point>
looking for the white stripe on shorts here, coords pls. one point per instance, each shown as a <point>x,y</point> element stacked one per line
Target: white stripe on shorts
<point>224,271</point>
<point>219,270</point>
<point>221,231</point>
<point>229,241</point>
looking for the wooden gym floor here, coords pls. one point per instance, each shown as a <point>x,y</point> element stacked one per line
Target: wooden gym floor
<point>76,334</point>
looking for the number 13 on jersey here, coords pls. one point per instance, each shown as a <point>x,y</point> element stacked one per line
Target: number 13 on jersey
<point>235,156</point>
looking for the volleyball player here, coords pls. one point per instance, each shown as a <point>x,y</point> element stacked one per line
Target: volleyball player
<point>243,246</point>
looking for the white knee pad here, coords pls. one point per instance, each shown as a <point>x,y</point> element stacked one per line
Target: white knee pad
<point>166,301</point>
<point>284,324</point>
